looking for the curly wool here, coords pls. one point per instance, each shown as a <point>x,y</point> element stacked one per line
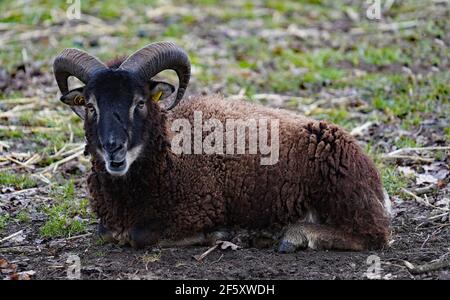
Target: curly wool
<point>321,172</point>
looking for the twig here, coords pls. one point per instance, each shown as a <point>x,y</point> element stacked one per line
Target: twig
<point>408,157</point>
<point>203,255</point>
<point>20,100</point>
<point>11,236</point>
<point>73,237</point>
<point>437,216</point>
<point>55,165</point>
<point>217,260</point>
<point>43,178</point>
<point>424,190</point>
<point>79,236</point>
<point>20,249</point>
<point>387,27</point>
<point>442,262</point>
<point>28,129</point>
<point>422,201</point>
<point>60,152</point>
<point>18,108</point>
<point>21,192</point>
<point>433,234</point>
<point>417,149</point>
<point>24,165</point>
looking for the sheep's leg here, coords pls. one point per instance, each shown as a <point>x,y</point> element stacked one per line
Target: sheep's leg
<point>105,234</point>
<point>143,234</point>
<point>301,236</point>
<point>196,240</point>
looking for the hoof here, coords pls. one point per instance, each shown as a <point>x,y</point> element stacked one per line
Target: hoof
<point>287,247</point>
<point>105,234</point>
<point>294,238</point>
<point>141,236</point>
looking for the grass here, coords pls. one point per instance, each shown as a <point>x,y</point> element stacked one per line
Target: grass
<point>22,216</point>
<point>393,182</point>
<point>405,142</point>
<point>4,220</point>
<point>16,181</point>
<point>447,132</point>
<point>11,134</point>
<point>68,215</point>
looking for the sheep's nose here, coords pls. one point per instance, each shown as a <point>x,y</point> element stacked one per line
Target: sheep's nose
<point>112,147</point>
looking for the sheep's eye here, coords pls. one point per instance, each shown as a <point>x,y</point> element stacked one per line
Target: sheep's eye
<point>90,108</point>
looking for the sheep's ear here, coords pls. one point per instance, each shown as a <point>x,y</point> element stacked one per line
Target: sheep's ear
<point>75,99</point>
<point>160,90</point>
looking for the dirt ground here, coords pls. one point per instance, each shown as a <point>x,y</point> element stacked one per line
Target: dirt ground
<point>385,81</point>
<point>419,250</point>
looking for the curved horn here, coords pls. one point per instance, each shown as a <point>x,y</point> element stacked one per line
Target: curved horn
<point>157,57</point>
<point>74,62</point>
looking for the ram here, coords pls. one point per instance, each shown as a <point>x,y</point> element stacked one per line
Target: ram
<point>322,192</point>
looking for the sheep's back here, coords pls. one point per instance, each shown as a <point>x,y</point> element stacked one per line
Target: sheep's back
<point>319,171</point>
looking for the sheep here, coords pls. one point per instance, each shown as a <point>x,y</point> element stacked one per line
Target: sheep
<point>323,192</point>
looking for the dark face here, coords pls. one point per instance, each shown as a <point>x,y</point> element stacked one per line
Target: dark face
<point>114,105</point>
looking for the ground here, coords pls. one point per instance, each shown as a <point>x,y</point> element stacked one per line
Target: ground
<point>386,81</point>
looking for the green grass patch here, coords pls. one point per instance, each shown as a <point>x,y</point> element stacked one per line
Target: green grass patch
<point>4,220</point>
<point>68,216</point>
<point>22,216</point>
<point>10,134</point>
<point>381,56</point>
<point>392,180</point>
<point>447,132</point>
<point>17,181</point>
<point>405,142</point>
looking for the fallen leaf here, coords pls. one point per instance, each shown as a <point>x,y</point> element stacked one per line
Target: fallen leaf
<point>26,275</point>
<point>441,184</point>
<point>3,263</point>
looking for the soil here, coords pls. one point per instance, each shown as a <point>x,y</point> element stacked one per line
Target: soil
<point>416,242</point>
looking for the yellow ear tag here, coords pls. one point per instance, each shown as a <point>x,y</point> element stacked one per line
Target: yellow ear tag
<point>78,100</point>
<point>155,97</point>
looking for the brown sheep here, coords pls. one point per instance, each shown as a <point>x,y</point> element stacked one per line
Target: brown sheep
<point>323,192</point>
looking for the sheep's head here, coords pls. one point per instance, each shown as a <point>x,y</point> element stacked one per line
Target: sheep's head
<point>114,103</point>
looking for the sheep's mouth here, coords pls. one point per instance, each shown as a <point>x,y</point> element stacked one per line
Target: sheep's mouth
<point>117,167</point>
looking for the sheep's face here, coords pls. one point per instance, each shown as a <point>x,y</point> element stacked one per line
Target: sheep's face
<point>114,106</point>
